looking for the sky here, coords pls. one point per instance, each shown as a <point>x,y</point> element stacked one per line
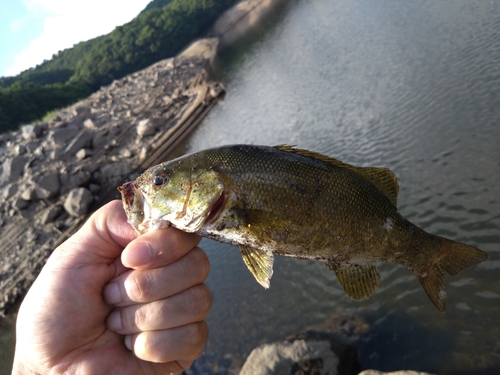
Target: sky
<point>33,30</point>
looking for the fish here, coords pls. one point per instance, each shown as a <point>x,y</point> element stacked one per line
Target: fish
<point>292,202</point>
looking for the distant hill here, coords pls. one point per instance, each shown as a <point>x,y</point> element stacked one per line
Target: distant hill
<point>160,31</point>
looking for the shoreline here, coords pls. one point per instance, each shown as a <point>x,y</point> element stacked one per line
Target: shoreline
<point>100,142</point>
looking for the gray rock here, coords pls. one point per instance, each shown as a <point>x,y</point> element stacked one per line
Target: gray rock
<point>282,357</point>
<point>78,201</point>
<point>32,146</point>
<point>20,203</point>
<point>146,127</point>
<point>10,191</point>
<point>311,352</point>
<point>74,180</point>
<point>80,141</point>
<point>28,192</point>
<point>32,131</point>
<point>48,186</point>
<point>100,138</point>
<point>89,124</point>
<point>12,169</point>
<point>50,214</point>
<point>83,153</point>
<point>19,150</point>
<point>113,172</point>
<point>59,137</point>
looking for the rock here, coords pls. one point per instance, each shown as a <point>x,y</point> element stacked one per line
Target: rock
<point>78,201</point>
<point>145,127</point>
<point>32,131</point>
<point>19,150</point>
<point>403,372</point>
<point>73,180</point>
<point>80,141</point>
<point>12,169</point>
<point>307,353</point>
<point>10,191</point>
<point>28,192</point>
<point>59,137</point>
<point>32,146</point>
<point>83,153</point>
<point>100,138</point>
<point>48,186</point>
<point>20,203</point>
<point>113,172</point>
<point>50,214</point>
<point>89,124</point>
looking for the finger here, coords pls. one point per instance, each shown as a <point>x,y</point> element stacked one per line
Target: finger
<point>158,248</point>
<point>143,286</point>
<point>184,308</point>
<point>181,344</point>
<point>100,240</point>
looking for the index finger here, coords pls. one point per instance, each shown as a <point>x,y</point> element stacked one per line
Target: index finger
<point>158,248</point>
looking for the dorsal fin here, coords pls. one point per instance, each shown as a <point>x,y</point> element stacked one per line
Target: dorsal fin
<point>382,178</point>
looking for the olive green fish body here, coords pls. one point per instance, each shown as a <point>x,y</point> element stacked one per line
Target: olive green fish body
<point>291,202</point>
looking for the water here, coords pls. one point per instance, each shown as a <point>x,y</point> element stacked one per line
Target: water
<point>413,86</point>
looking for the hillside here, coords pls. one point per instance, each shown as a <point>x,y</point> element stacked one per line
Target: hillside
<point>160,31</point>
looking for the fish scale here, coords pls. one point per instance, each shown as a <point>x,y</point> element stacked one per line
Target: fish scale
<point>297,203</point>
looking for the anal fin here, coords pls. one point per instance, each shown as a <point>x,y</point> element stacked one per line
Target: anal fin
<point>359,281</point>
<point>260,264</point>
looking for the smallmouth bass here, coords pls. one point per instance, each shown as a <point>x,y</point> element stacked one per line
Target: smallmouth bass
<point>297,203</point>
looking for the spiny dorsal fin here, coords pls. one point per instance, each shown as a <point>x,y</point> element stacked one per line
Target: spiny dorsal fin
<point>260,264</point>
<point>359,281</point>
<point>382,178</point>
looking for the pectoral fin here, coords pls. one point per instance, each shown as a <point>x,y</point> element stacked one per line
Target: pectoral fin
<point>260,264</point>
<point>359,281</point>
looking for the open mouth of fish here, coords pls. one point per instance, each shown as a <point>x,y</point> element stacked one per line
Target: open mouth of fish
<point>143,216</point>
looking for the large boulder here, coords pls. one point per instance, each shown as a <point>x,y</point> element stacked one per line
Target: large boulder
<point>78,201</point>
<point>311,352</point>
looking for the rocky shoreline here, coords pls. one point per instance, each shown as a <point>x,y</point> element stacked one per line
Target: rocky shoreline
<point>55,173</point>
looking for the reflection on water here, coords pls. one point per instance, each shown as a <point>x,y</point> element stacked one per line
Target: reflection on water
<point>413,86</point>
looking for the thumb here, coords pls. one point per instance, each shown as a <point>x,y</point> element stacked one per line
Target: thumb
<point>100,240</point>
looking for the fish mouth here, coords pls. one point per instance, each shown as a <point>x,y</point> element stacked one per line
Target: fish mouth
<point>216,209</point>
<point>128,192</point>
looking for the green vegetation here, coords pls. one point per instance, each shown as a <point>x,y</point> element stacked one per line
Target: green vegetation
<point>160,31</point>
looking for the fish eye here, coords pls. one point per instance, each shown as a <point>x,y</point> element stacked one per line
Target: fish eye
<point>159,179</point>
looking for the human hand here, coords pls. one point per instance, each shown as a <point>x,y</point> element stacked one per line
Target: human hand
<point>92,311</point>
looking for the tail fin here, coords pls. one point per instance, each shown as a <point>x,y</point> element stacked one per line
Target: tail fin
<point>453,258</point>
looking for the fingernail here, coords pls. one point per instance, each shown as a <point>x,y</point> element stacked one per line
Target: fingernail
<point>128,342</point>
<point>112,294</point>
<point>114,321</point>
<point>137,255</point>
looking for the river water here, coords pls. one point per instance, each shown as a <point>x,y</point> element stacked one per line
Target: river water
<point>412,86</point>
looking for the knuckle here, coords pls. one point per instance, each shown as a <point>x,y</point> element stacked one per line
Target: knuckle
<point>197,336</point>
<point>199,301</point>
<point>198,264</point>
<point>137,286</point>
